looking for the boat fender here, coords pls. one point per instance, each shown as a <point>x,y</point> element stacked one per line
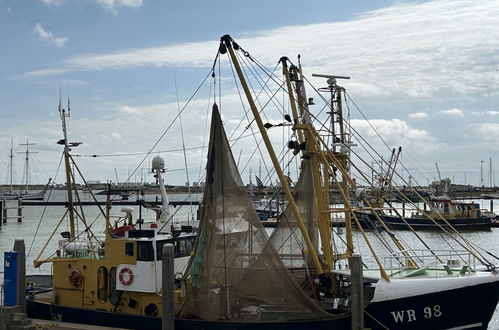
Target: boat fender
<point>76,278</point>
<point>126,270</point>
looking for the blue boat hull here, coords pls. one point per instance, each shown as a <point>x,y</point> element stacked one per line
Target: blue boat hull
<point>369,221</point>
<point>41,310</point>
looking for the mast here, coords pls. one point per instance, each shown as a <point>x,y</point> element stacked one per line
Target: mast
<point>11,162</point>
<point>229,44</point>
<point>340,148</point>
<point>69,184</point>
<point>26,159</point>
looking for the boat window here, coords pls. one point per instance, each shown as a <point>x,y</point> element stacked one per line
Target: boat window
<point>114,295</point>
<point>129,249</point>
<point>159,248</point>
<point>102,284</point>
<point>182,247</point>
<point>145,252</point>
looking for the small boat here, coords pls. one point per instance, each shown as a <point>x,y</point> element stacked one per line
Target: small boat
<point>268,207</point>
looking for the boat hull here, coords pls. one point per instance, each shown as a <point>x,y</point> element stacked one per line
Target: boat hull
<point>467,307</point>
<point>46,311</point>
<point>369,221</point>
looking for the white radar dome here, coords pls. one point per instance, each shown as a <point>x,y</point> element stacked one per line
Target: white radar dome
<point>158,163</point>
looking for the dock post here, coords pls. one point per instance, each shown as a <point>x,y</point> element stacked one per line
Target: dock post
<point>491,205</point>
<point>20,248</point>
<point>167,322</point>
<point>4,212</point>
<point>19,210</point>
<point>1,213</point>
<point>357,292</point>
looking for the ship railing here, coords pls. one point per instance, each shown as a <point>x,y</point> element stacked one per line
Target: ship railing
<point>410,263</point>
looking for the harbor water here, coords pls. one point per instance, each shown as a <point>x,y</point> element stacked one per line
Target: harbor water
<point>40,222</point>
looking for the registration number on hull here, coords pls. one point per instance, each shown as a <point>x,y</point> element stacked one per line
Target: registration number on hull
<point>410,315</point>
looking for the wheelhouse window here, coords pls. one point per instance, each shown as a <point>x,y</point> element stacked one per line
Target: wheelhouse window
<point>182,246</point>
<point>129,249</point>
<point>145,252</point>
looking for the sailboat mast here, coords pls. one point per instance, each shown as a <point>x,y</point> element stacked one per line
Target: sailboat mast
<point>26,159</point>
<point>227,40</point>
<point>11,163</point>
<point>69,185</point>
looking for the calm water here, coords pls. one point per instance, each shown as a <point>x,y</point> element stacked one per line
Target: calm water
<point>36,229</point>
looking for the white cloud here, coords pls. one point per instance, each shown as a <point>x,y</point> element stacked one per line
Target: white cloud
<point>109,5</point>
<point>487,133</point>
<point>51,2</point>
<point>422,58</point>
<point>453,112</point>
<point>418,115</point>
<point>492,113</point>
<point>396,133</point>
<point>113,5</point>
<point>48,36</point>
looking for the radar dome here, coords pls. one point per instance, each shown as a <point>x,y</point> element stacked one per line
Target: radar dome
<point>158,163</point>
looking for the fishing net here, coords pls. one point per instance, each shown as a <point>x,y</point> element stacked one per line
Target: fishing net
<point>287,238</point>
<point>235,273</point>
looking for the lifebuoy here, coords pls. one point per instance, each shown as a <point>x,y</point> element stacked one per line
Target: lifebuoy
<point>76,278</point>
<point>123,271</point>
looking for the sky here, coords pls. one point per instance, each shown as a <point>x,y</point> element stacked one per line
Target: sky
<point>425,74</point>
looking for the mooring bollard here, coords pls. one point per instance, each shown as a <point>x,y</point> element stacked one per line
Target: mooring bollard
<point>20,248</point>
<point>167,322</point>
<point>357,292</point>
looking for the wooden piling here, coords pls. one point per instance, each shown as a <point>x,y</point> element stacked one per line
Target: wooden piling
<point>357,292</point>
<point>19,210</point>
<point>4,211</point>
<point>21,273</point>
<point>167,322</point>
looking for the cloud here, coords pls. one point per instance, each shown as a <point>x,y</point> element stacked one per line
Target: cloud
<point>9,10</point>
<point>453,112</point>
<point>418,115</point>
<point>113,5</point>
<point>396,133</point>
<point>487,132</point>
<point>423,58</point>
<point>51,2</point>
<point>48,36</point>
<point>109,5</point>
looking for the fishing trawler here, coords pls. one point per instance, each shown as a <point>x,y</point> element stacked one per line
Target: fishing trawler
<point>438,211</point>
<point>411,289</point>
<point>239,278</point>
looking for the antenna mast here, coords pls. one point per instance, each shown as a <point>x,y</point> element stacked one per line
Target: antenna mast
<point>67,149</point>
